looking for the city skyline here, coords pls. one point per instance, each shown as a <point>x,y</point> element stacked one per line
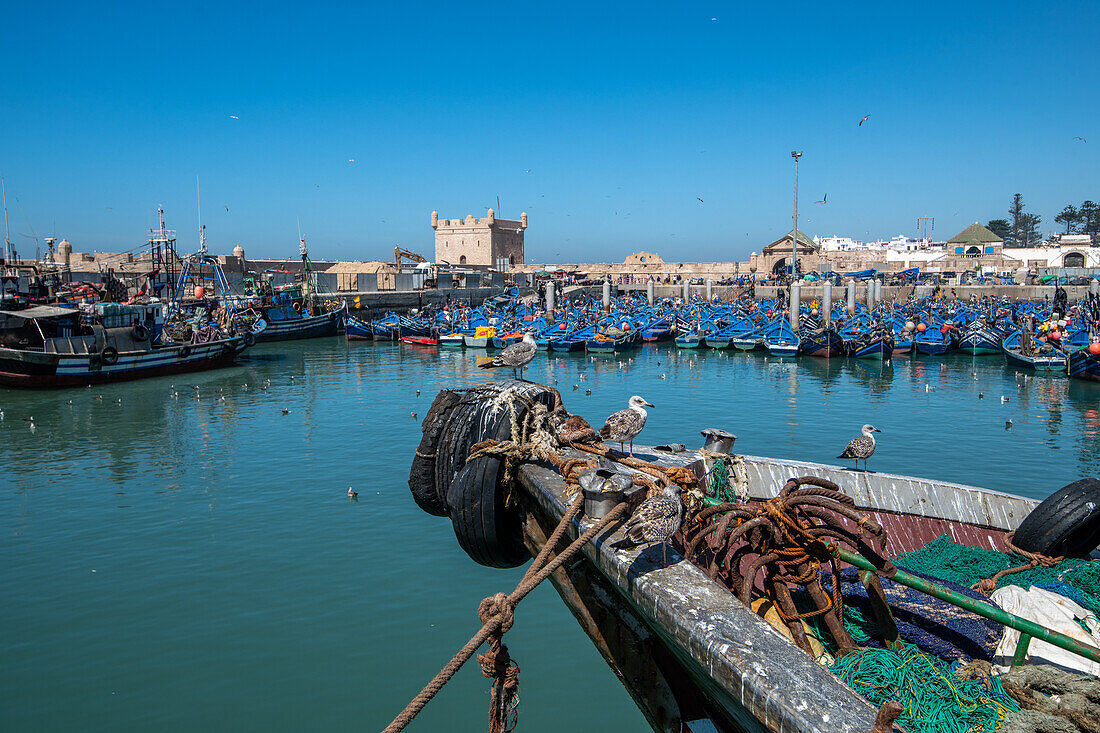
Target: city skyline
<point>616,128</point>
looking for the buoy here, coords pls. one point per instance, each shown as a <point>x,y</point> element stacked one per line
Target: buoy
<point>1094,348</point>
<point>909,326</point>
<point>922,327</point>
<point>1055,336</point>
<point>199,292</point>
<point>770,313</point>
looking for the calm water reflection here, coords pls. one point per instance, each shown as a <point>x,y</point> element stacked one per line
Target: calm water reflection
<point>187,562</point>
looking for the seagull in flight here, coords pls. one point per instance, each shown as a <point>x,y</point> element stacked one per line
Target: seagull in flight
<point>699,199</point>
<point>863,120</point>
<point>526,170</point>
<point>823,199</point>
<point>234,117</point>
<point>351,160</point>
<point>1078,137</point>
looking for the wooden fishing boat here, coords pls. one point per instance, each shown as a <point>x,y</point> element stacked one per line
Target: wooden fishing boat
<point>357,330</point>
<point>692,340</point>
<point>603,342</point>
<point>780,340</point>
<point>1083,364</point>
<point>1021,349</point>
<point>980,338</point>
<point>692,654</point>
<point>47,346</point>
<point>876,343</point>
<point>281,322</point>
<point>823,343</point>
<point>420,340</point>
<point>452,340</point>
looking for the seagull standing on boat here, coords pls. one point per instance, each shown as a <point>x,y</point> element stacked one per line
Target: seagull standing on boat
<point>655,520</point>
<point>862,447</point>
<point>517,356</point>
<point>624,425</point>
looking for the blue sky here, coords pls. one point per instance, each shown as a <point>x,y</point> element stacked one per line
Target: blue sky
<point>625,115</point>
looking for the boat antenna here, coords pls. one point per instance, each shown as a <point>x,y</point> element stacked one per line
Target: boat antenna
<point>7,230</point>
<point>202,227</point>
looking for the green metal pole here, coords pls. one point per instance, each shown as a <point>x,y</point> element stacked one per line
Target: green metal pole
<point>981,608</point>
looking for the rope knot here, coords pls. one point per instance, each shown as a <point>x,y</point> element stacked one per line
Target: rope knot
<point>496,606</point>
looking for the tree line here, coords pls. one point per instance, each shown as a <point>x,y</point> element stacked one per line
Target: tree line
<point>1021,228</point>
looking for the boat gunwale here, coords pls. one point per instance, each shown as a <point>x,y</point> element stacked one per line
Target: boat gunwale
<point>730,651</point>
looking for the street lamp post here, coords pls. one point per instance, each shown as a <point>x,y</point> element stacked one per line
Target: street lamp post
<point>794,235</point>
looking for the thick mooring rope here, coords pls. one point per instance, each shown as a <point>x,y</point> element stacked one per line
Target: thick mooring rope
<point>496,613</point>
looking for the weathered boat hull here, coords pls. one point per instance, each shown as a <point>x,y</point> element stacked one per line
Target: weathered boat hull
<point>1083,365</point>
<point>687,649</point>
<point>325,324</point>
<point>824,344</point>
<point>356,330</point>
<point>38,369</point>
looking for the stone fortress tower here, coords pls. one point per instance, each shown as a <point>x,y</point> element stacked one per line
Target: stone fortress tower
<point>489,242</point>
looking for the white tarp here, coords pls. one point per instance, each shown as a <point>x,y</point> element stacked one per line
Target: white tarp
<point>1052,611</point>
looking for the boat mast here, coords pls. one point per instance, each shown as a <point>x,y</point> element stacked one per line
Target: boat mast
<point>7,229</point>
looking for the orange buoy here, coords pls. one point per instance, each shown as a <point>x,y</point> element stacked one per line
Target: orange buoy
<point>1055,336</point>
<point>922,327</point>
<point>199,292</point>
<point>1094,348</point>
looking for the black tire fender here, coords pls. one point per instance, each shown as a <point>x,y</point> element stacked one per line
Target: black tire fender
<point>185,351</point>
<point>248,338</point>
<point>1065,523</point>
<point>140,332</point>
<point>109,355</point>
<point>490,533</point>
<point>422,474</point>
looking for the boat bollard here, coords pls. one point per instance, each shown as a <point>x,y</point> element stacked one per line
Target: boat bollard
<point>1094,286</point>
<point>827,302</point>
<point>687,290</point>
<point>603,490</point>
<point>649,292</point>
<point>710,290</point>
<point>717,441</point>
<point>870,294</point>
<point>606,296</point>
<point>550,302</point>
<point>878,290</point>
<point>852,298</point>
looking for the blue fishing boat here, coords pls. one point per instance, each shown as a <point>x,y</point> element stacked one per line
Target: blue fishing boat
<point>357,330</point>
<point>780,339</point>
<point>935,340</point>
<point>875,343</point>
<point>980,338</point>
<point>1083,364</point>
<point>1022,349</point>
<point>823,342</point>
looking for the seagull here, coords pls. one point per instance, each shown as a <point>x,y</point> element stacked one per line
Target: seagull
<point>286,410</point>
<point>929,388</point>
<point>526,170</point>
<point>823,199</point>
<point>417,393</point>
<point>576,387</point>
<point>1008,424</point>
<point>862,447</point>
<point>352,493</point>
<point>699,200</point>
<point>234,117</point>
<point>1078,137</point>
<point>624,425</point>
<point>588,392</point>
<point>655,520</point>
<point>118,401</point>
<point>351,160</point>
<point>412,415</point>
<point>1003,399</point>
<point>99,397</point>
<point>863,120</point>
<point>2,412</point>
<point>517,356</point>
<point>981,395</point>
<point>69,403</point>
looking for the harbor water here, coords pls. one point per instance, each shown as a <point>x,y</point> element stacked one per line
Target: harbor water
<point>191,561</point>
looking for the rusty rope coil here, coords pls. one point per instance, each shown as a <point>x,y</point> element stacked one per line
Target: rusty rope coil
<point>782,541</point>
<point>1035,559</point>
